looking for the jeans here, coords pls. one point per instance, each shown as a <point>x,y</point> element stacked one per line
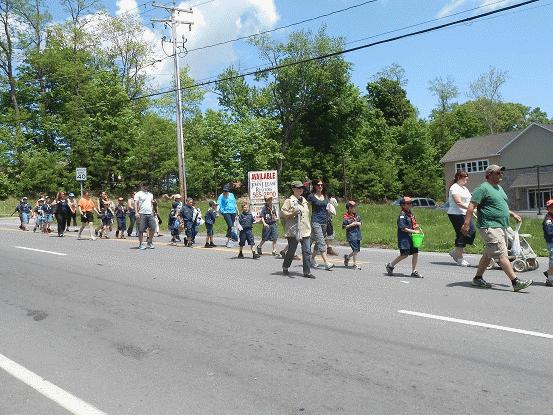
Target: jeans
<point>132,220</point>
<point>229,219</point>
<point>305,253</point>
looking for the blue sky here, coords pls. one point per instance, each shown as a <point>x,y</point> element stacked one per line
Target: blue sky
<point>518,42</point>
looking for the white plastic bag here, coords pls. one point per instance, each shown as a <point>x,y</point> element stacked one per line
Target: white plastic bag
<point>516,249</point>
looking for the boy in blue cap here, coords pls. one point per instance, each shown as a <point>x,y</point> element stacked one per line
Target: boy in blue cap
<point>24,209</point>
<point>406,225</point>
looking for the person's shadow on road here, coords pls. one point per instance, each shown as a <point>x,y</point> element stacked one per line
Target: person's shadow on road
<point>468,284</point>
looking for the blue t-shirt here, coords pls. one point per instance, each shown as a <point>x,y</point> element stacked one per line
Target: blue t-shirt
<point>47,209</point>
<point>210,217</point>
<point>23,208</point>
<point>246,220</point>
<point>353,233</point>
<point>227,204</point>
<point>120,211</point>
<point>269,214</point>
<point>319,213</point>
<point>403,238</point>
<point>187,213</point>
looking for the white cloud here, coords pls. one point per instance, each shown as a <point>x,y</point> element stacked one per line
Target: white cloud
<point>127,6</point>
<point>485,6</point>
<point>214,22</point>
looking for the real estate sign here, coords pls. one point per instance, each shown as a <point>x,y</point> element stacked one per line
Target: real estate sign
<point>261,184</point>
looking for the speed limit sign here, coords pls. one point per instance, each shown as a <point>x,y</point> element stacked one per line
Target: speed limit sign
<point>80,174</point>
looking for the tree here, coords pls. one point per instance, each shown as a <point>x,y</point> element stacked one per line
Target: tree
<point>486,93</point>
<point>390,99</point>
<point>445,90</point>
<point>393,72</point>
<point>8,37</point>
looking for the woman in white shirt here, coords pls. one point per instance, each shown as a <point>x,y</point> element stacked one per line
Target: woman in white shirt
<point>459,199</point>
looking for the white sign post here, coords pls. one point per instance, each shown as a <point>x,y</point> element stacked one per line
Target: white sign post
<point>80,175</point>
<point>261,184</point>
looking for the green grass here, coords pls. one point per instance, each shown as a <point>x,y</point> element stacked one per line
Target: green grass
<point>379,227</point>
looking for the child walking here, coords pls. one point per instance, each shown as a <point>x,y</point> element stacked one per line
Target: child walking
<point>47,215</point>
<point>210,217</point>
<point>246,221</point>
<point>24,211</point>
<point>269,219</point>
<point>187,216</point>
<point>38,214</point>
<point>173,223</point>
<point>121,216</point>
<point>406,225</point>
<point>106,215</point>
<point>548,235</point>
<point>352,225</point>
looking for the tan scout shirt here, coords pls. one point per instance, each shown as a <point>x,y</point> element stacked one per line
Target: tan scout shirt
<point>291,220</point>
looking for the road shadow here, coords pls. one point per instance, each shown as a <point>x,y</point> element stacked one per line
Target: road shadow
<point>291,274</point>
<point>495,287</point>
<point>395,274</point>
<point>452,264</point>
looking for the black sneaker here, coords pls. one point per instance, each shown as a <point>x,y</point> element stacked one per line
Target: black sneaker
<point>389,270</point>
<point>481,282</point>
<point>212,245</point>
<point>548,283</point>
<point>309,276</point>
<point>256,256</point>
<point>259,251</point>
<point>241,255</point>
<point>522,284</point>
<point>415,274</point>
<point>206,245</point>
<point>285,271</point>
<point>283,253</point>
<point>346,260</point>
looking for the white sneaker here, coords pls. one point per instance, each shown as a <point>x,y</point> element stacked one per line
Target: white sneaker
<point>462,262</point>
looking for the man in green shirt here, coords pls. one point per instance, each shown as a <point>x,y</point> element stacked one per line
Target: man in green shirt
<point>493,210</point>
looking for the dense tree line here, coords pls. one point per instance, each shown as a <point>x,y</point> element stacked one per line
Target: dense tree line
<point>70,97</point>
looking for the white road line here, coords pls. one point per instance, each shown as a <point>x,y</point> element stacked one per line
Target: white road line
<point>478,324</point>
<point>404,282</point>
<point>40,250</point>
<point>64,399</point>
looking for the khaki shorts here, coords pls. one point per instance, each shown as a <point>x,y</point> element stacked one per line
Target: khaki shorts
<point>495,242</point>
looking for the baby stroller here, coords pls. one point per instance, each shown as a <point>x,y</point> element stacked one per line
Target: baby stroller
<point>523,260</point>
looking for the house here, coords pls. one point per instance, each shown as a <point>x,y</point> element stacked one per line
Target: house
<point>526,154</point>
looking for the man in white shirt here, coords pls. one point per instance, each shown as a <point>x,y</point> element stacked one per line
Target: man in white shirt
<point>145,216</point>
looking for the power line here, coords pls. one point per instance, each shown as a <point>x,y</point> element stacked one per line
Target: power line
<point>341,52</point>
<point>284,27</point>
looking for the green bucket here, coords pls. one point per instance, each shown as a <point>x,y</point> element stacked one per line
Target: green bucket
<point>417,239</point>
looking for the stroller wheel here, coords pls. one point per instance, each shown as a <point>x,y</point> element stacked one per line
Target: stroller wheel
<point>519,265</point>
<point>491,265</point>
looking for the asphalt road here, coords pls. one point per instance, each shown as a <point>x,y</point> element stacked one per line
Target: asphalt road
<point>196,331</point>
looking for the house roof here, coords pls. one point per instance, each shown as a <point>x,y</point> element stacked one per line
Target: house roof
<point>531,180</point>
<point>477,147</point>
<point>485,146</point>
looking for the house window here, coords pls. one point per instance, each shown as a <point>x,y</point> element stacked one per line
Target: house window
<point>472,166</point>
<point>536,198</point>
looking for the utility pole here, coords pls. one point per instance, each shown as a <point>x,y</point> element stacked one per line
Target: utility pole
<point>173,22</point>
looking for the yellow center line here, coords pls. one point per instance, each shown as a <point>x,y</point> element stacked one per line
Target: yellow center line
<point>181,245</point>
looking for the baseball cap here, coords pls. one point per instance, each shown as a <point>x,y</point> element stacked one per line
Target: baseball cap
<point>120,199</point>
<point>71,194</point>
<point>549,203</point>
<point>297,184</point>
<point>268,197</point>
<point>404,200</point>
<point>24,198</point>
<point>212,203</point>
<point>226,188</point>
<point>176,196</point>
<point>350,204</point>
<point>494,168</point>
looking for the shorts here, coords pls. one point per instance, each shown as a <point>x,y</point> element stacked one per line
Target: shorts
<point>48,218</point>
<point>410,251</point>
<point>146,221</point>
<point>270,233</point>
<point>106,221</point>
<point>355,245</point>
<point>550,249</point>
<point>24,218</point>
<point>87,217</point>
<point>318,234</point>
<point>121,224</point>
<point>209,228</point>
<point>246,235</point>
<point>495,242</point>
